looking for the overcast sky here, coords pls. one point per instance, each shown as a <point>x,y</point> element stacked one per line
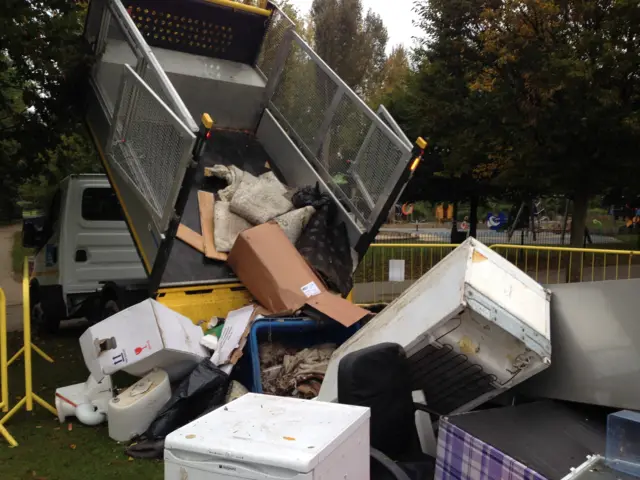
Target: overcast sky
<point>396,14</point>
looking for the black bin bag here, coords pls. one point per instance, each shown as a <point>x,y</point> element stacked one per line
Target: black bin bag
<point>324,243</point>
<point>201,392</point>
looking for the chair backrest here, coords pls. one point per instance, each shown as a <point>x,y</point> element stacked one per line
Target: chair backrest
<point>378,377</point>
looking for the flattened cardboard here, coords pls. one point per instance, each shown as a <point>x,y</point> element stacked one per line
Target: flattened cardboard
<point>271,268</point>
<point>205,203</point>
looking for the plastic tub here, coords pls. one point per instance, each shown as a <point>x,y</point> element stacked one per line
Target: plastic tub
<point>623,442</point>
<point>301,333</point>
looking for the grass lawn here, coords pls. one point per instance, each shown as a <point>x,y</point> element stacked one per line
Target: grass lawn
<point>50,451</point>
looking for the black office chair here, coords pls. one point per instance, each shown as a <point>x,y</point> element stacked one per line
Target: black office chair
<point>378,377</point>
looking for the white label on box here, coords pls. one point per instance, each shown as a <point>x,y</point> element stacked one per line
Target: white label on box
<point>311,290</point>
<point>396,270</point>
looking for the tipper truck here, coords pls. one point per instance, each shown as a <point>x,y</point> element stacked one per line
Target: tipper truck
<point>180,85</point>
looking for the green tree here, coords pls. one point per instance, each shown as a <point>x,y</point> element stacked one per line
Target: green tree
<point>534,96</point>
<point>394,76</point>
<point>437,103</point>
<point>567,76</point>
<point>44,65</point>
<point>73,153</point>
<point>351,43</point>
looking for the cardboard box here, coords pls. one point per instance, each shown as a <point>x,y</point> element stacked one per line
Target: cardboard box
<point>141,338</point>
<point>280,279</point>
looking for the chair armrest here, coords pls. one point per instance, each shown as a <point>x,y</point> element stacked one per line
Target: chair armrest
<point>423,408</point>
<point>389,464</point>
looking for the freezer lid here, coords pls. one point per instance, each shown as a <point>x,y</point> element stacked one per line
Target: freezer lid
<point>288,433</point>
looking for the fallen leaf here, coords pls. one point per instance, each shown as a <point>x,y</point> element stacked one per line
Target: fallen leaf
<point>72,446</point>
<point>130,459</point>
<point>291,439</point>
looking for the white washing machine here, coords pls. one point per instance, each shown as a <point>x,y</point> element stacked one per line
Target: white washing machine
<point>262,437</point>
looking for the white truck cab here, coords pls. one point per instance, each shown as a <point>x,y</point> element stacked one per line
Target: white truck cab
<point>83,246</point>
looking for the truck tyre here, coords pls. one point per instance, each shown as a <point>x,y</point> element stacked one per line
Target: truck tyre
<point>109,307</point>
<point>42,320</point>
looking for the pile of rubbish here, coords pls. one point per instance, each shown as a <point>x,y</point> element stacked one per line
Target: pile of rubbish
<point>187,371</point>
<point>286,371</point>
<point>307,216</point>
<point>474,331</point>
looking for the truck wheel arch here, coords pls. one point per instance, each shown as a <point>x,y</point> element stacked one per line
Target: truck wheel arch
<point>114,297</point>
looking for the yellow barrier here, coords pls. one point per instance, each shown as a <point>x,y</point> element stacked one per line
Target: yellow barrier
<point>371,279</point>
<point>29,395</point>
<point>4,368</point>
<point>549,265</point>
<point>546,265</point>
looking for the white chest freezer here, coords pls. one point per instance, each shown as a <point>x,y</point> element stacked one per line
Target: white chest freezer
<point>262,437</point>
<point>473,326</point>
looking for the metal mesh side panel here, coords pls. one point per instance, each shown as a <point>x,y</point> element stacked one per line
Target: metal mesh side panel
<point>303,96</point>
<point>272,40</point>
<point>149,148</point>
<point>376,164</point>
<point>150,77</point>
<point>340,149</point>
<point>356,157</point>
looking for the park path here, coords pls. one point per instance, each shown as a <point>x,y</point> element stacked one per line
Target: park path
<point>8,283</point>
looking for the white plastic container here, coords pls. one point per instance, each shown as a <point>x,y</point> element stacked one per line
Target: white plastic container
<point>473,326</point>
<point>131,412</point>
<point>268,437</point>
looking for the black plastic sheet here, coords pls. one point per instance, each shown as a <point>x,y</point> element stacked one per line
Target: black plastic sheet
<point>201,392</point>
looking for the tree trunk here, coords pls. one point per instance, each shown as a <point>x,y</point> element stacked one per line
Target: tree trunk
<point>454,223</point>
<point>565,220</point>
<point>578,225</point>
<point>473,216</point>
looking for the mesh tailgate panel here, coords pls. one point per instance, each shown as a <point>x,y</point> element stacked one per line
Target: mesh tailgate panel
<point>149,147</point>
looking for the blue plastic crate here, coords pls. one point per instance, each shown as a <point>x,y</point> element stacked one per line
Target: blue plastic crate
<point>299,333</point>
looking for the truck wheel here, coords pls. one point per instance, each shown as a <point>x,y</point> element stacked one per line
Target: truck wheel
<point>47,308</point>
<point>110,307</point>
<point>41,322</point>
